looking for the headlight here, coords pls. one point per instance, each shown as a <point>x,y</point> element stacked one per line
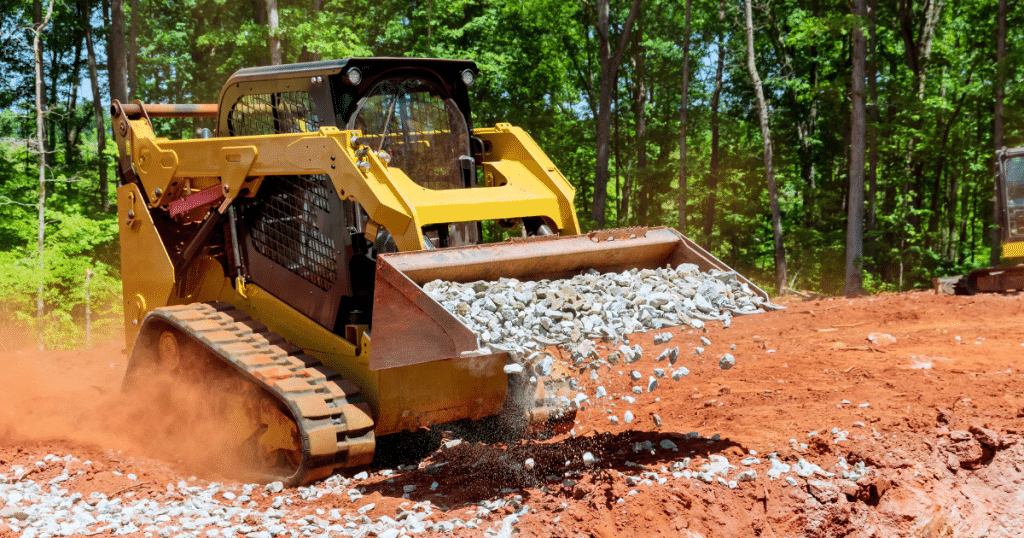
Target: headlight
<point>353,76</point>
<point>468,78</point>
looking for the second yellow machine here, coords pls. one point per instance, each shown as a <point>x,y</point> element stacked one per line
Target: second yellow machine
<point>277,265</point>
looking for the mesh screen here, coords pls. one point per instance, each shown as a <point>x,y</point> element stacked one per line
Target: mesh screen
<point>274,113</point>
<point>1014,191</point>
<point>424,133</point>
<point>283,227</point>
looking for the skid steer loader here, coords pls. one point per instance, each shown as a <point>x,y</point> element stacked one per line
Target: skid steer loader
<point>277,265</point>
<point>1009,207</point>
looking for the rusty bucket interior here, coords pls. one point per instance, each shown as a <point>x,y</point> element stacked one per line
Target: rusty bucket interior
<point>410,327</point>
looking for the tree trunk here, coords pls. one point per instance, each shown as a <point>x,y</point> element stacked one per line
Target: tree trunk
<point>807,126</point>
<point>682,122</point>
<point>116,64</point>
<point>101,132</point>
<point>917,52</point>
<point>609,75</point>
<point>71,118</point>
<point>275,38</point>
<point>766,136</point>
<point>133,50</point>
<point>940,164</point>
<point>37,19</point>
<point>640,113</point>
<point>997,133</point>
<point>88,311</point>
<point>872,171</point>
<point>709,211</point>
<point>37,53</point>
<point>306,55</point>
<point>858,132</point>
<point>615,160</point>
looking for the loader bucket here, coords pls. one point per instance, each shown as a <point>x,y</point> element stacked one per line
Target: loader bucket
<point>413,328</point>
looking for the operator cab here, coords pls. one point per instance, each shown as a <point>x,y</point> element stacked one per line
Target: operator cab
<point>298,238</point>
<point>412,120</point>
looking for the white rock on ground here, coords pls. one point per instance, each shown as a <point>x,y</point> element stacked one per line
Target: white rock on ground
<point>34,511</point>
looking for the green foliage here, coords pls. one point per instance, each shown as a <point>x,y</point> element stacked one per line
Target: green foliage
<point>930,199</point>
<point>77,238</point>
<point>75,244</point>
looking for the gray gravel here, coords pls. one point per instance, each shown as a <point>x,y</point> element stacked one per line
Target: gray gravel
<point>43,509</point>
<point>662,338</point>
<point>524,317</point>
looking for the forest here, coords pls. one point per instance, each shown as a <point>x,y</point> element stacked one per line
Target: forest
<point>816,146</point>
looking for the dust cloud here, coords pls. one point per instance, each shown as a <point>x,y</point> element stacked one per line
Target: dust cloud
<point>75,397</point>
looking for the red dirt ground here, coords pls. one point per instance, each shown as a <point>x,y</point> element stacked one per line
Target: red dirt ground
<point>935,414</point>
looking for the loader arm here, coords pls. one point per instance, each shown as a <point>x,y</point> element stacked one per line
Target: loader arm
<point>524,181</point>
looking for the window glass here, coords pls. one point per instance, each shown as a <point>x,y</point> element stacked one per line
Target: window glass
<point>423,133</point>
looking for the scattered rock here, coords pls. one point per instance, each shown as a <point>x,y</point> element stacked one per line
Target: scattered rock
<point>513,369</point>
<point>11,512</point>
<point>726,362</point>
<point>825,492</point>
<point>986,437</point>
<point>778,468</point>
<point>274,487</point>
<point>881,339</point>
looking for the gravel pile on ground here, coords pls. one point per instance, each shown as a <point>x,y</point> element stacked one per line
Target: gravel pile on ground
<point>36,509</point>
<point>43,509</point>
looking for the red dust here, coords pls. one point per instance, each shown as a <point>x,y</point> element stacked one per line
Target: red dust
<point>76,397</point>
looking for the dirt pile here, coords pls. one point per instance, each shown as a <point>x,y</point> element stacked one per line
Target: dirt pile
<point>817,430</point>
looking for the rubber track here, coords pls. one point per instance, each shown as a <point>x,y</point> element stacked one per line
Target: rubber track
<point>334,422</point>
